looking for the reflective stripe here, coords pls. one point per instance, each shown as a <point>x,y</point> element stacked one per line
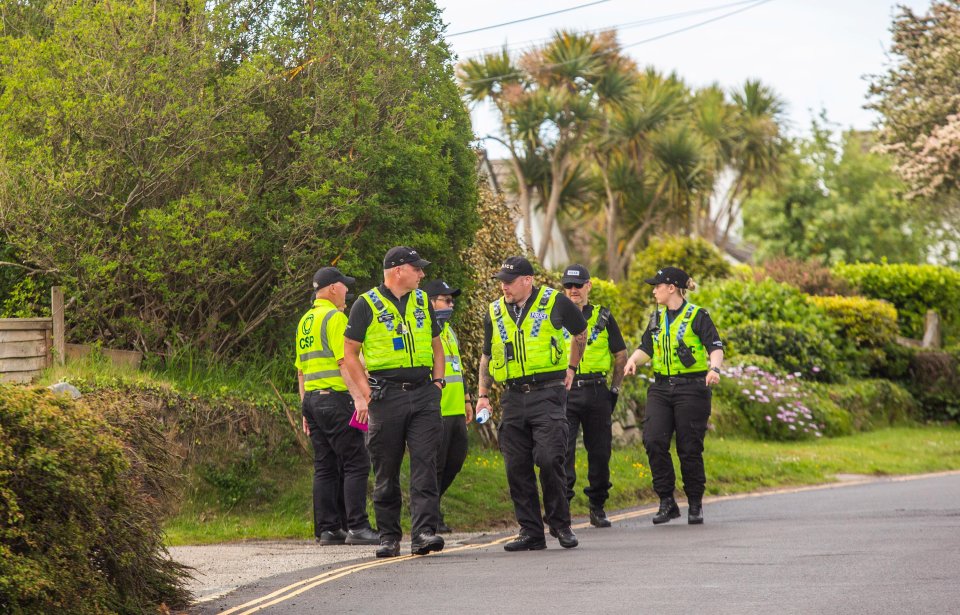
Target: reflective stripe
<point>316,354</point>
<point>451,379</point>
<point>332,373</point>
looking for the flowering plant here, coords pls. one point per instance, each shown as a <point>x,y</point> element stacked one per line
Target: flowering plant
<point>776,406</point>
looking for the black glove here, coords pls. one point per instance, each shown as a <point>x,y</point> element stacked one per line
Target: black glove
<point>613,399</point>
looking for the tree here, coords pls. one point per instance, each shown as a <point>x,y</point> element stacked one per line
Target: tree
<point>749,150</point>
<point>920,111</point>
<point>183,178</point>
<point>839,201</point>
<point>546,103</point>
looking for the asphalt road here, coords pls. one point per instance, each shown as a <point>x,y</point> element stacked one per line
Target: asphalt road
<point>883,546</point>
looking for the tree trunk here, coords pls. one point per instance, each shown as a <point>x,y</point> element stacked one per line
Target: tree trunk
<point>558,168</point>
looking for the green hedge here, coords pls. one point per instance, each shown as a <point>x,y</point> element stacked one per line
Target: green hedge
<point>913,289</point>
<point>80,508</point>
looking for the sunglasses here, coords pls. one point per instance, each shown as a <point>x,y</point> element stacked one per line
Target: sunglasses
<point>569,285</point>
<point>445,300</point>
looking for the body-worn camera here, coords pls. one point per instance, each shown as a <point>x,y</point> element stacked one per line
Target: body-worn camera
<point>508,351</point>
<point>685,354</point>
<point>377,388</point>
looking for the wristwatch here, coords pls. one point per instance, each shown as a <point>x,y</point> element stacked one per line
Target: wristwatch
<point>573,367</point>
<point>715,369</point>
<point>439,381</point>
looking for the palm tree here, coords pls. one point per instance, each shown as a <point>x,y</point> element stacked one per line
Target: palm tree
<point>753,151</point>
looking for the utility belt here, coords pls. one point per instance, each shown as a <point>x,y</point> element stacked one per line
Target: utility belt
<point>528,384</point>
<point>581,381</point>
<point>679,380</point>
<point>379,386</point>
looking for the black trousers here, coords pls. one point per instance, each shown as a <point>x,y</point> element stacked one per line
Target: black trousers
<point>684,409</point>
<point>341,466</point>
<point>453,451</point>
<point>589,407</point>
<point>533,431</point>
<point>402,420</point>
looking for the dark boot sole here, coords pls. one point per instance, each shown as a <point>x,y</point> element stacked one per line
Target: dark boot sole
<point>538,547</point>
<point>600,524</point>
<point>695,521</point>
<point>334,543</point>
<point>572,545</point>
<point>426,549</point>
<point>658,521</point>
<point>386,555</point>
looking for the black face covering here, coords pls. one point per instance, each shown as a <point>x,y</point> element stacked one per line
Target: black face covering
<point>443,315</point>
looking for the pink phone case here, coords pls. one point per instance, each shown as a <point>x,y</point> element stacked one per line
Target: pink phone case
<point>355,423</point>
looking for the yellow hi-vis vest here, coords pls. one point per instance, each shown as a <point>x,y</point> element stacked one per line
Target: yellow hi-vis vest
<point>315,353</point>
<point>597,358</point>
<point>537,346</point>
<point>665,344</point>
<point>452,401</point>
<point>393,340</point>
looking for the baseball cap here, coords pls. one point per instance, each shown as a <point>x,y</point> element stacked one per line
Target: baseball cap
<point>402,255</point>
<point>434,288</point>
<point>670,275</point>
<point>514,267</point>
<point>575,274</point>
<point>325,276</point>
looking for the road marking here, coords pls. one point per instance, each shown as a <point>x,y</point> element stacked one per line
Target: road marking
<point>285,593</point>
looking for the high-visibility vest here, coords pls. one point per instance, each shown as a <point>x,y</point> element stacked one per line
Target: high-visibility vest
<point>597,358</point>
<point>537,345</point>
<point>394,340</point>
<point>666,341</point>
<point>315,355</point>
<point>452,401</point>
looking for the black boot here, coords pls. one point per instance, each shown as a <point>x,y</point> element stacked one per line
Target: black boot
<point>442,527</point>
<point>695,512</point>
<point>598,518</point>
<point>425,542</point>
<point>668,510</point>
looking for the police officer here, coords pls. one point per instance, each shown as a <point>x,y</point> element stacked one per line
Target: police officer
<point>687,354</point>
<point>341,465</point>
<point>524,348</point>
<point>397,330</point>
<point>590,403</point>
<point>455,405</point>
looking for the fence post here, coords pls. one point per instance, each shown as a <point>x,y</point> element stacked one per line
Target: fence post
<point>56,306</point>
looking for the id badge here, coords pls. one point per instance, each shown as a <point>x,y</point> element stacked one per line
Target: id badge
<point>398,343</point>
<point>455,364</point>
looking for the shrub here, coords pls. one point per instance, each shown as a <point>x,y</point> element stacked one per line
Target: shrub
<point>80,496</point>
<point>913,289</point>
<point>732,302</point>
<point>934,379</point>
<point>811,277</point>
<point>607,293</point>
<point>697,257</point>
<point>795,347</point>
<point>865,326</point>
<point>873,403</point>
<point>772,407</point>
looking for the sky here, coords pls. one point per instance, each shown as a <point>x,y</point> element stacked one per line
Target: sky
<point>816,54</point>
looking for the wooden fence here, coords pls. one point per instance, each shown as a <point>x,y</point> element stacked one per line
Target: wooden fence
<point>28,345</point>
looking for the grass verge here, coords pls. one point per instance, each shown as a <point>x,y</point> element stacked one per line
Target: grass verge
<point>479,500</point>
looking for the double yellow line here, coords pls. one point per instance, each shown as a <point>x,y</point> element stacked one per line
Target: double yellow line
<point>285,593</point>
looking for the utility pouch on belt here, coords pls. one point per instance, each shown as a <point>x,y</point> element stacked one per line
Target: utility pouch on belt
<point>378,388</point>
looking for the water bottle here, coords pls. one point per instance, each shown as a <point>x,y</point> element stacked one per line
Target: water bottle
<point>483,415</point>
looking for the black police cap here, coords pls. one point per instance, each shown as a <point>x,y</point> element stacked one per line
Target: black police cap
<point>402,255</point>
<point>670,275</point>
<point>513,268</point>
<point>325,276</point>
<point>435,288</point>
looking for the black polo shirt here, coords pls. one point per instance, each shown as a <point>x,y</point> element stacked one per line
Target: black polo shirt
<point>361,315</point>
